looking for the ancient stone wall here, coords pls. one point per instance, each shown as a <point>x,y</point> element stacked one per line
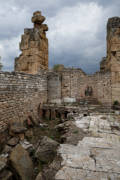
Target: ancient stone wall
<point>115,86</point>
<point>20,96</point>
<point>34,47</point>
<point>101,83</point>
<point>74,85</point>
<point>112,61</point>
<point>70,83</point>
<point>113,41</point>
<point>113,55</point>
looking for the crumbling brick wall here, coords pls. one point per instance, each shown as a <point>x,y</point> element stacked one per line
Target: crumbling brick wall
<point>21,95</point>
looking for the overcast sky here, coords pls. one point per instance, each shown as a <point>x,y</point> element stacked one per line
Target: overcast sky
<point>77,30</point>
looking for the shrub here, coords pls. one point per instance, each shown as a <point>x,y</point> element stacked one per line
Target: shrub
<point>58,67</point>
<point>116,103</point>
<point>1,66</point>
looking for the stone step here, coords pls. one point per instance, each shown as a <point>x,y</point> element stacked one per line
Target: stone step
<point>89,101</point>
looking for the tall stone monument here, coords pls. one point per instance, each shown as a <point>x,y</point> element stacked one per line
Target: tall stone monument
<point>34,47</point>
<point>112,61</point>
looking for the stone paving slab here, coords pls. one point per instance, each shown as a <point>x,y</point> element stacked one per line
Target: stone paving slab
<point>93,158</point>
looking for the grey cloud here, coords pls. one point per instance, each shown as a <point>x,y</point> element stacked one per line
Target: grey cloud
<point>77,30</point>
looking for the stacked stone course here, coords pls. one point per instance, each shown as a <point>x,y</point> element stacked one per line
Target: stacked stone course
<point>20,96</point>
<point>112,61</point>
<point>70,85</point>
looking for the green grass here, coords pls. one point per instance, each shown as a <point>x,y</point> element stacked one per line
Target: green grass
<point>76,132</point>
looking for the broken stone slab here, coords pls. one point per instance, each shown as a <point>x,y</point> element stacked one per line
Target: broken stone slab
<point>16,128</point>
<point>46,149</point>
<point>68,173</point>
<point>94,158</point>
<point>98,124</point>
<point>13,141</point>
<point>7,149</point>
<point>21,162</point>
<point>39,177</point>
<point>92,142</point>
<point>82,122</point>
<point>25,144</point>
<point>76,157</point>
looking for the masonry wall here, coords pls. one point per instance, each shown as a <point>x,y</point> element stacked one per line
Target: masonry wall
<point>74,83</point>
<point>115,86</point>
<point>70,84</point>
<point>104,88</point>
<point>20,96</point>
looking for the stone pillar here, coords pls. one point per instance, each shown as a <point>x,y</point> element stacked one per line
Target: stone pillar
<point>34,47</point>
<point>113,43</point>
<point>54,88</point>
<point>113,56</point>
<point>112,61</point>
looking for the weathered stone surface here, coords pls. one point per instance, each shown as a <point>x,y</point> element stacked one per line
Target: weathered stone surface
<point>17,128</point>
<point>96,157</point>
<point>38,18</point>
<point>46,149</point>
<point>34,47</point>
<point>13,141</point>
<point>26,145</point>
<point>100,126</point>
<point>71,85</point>
<point>7,149</point>
<point>22,163</point>
<point>112,61</point>
<point>20,96</point>
<point>39,177</point>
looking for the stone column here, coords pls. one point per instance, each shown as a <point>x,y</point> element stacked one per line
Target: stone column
<point>34,47</point>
